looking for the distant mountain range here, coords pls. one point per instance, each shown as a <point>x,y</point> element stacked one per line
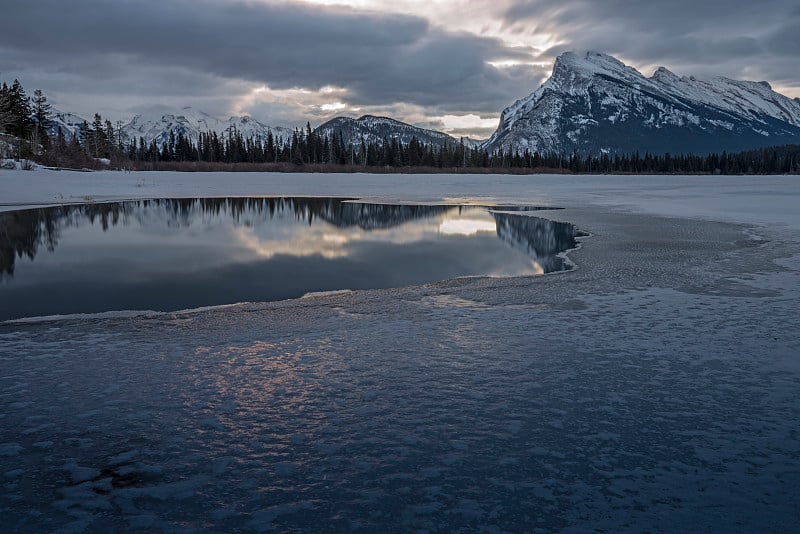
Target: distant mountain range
<point>68,123</point>
<point>192,123</point>
<point>371,129</point>
<point>187,121</point>
<point>592,104</point>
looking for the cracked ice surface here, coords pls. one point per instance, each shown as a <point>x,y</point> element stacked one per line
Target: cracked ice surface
<point>656,387</point>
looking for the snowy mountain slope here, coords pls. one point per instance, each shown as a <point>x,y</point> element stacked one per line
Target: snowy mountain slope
<point>191,123</point>
<point>69,123</point>
<point>594,103</point>
<point>373,129</point>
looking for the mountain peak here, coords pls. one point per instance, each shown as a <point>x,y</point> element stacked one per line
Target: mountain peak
<point>372,128</point>
<point>664,74</point>
<point>595,103</point>
<point>588,62</point>
<point>575,73</point>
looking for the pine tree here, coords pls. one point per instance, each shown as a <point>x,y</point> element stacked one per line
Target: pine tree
<point>296,154</point>
<point>20,108</point>
<point>97,136</point>
<point>42,116</point>
<point>108,151</point>
<point>6,116</point>
<point>18,115</point>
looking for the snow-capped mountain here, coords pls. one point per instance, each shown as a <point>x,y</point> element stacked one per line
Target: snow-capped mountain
<point>594,103</point>
<point>69,123</point>
<point>373,129</point>
<point>191,123</point>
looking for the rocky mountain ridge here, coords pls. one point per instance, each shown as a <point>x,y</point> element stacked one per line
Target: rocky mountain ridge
<point>594,103</point>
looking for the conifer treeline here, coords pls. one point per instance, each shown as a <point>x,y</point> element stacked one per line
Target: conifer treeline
<point>308,147</point>
<point>28,121</point>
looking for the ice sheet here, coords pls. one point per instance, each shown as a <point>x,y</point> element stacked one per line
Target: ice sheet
<point>656,387</point>
<point>751,199</point>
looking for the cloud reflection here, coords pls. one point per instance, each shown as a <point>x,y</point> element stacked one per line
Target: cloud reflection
<point>185,253</point>
<point>451,226</point>
<point>332,236</point>
<point>301,244</point>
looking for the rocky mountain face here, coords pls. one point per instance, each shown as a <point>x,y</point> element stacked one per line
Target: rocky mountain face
<point>373,129</point>
<point>594,103</point>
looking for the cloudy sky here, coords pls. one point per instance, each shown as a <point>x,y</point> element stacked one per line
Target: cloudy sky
<point>445,64</point>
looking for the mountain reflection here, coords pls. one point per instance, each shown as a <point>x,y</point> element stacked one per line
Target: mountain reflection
<point>542,239</point>
<point>26,232</point>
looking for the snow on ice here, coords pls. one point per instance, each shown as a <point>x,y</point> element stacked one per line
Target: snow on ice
<point>655,387</point>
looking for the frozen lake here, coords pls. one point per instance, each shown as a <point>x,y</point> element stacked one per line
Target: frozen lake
<point>656,386</point>
<point>175,254</point>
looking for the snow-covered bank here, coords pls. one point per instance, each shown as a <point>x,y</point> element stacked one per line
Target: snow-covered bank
<point>750,199</point>
<point>657,387</point>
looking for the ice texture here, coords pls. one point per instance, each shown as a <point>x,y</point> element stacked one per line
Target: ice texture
<point>654,388</point>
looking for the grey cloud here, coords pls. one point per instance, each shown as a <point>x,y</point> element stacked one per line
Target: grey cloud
<point>449,72</point>
<point>674,18</point>
<point>205,53</point>
<point>736,38</point>
<point>379,59</point>
<point>250,40</point>
<point>785,41</point>
<point>117,85</point>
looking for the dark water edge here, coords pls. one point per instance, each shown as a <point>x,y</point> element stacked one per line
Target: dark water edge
<point>174,254</point>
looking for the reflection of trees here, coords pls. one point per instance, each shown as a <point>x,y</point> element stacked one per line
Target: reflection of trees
<point>542,239</point>
<point>338,212</point>
<point>376,216</point>
<point>23,233</point>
